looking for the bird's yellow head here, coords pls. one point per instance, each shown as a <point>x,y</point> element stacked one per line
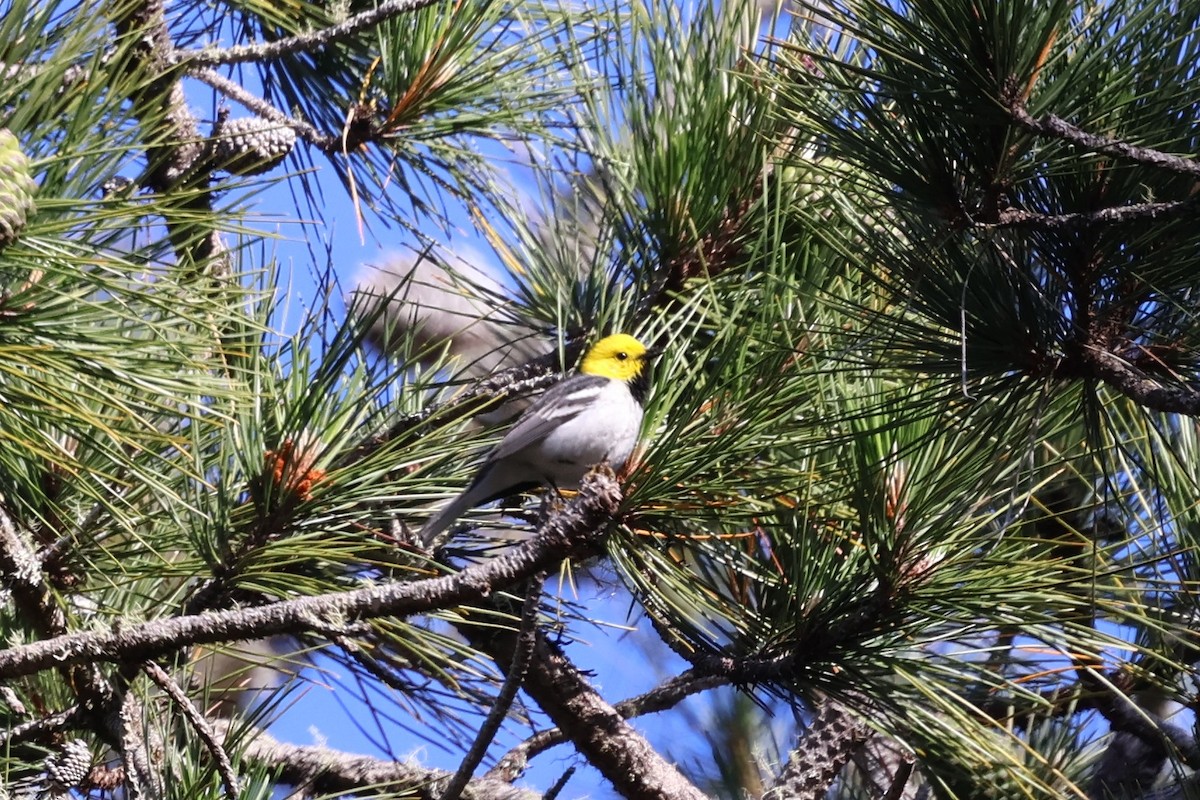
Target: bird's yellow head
<point>620,357</point>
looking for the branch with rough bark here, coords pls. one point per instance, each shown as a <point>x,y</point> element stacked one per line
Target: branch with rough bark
<point>301,43</point>
<point>21,573</point>
<point>198,722</point>
<point>667,695</point>
<point>1139,387</point>
<point>574,530</point>
<point>515,674</point>
<point>178,160</point>
<point>597,729</point>
<point>1117,215</point>
<point>1108,350</point>
<point>323,770</point>
<point>825,748</point>
<point>1058,128</point>
<point>45,728</point>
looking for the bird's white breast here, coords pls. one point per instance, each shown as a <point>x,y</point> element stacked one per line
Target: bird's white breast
<point>604,432</point>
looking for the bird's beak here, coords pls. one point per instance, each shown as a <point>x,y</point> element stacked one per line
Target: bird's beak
<point>653,352</point>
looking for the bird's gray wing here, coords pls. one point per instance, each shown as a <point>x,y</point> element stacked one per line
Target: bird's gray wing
<point>561,402</point>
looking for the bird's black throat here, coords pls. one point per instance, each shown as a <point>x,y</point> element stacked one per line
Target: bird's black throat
<point>640,385</point>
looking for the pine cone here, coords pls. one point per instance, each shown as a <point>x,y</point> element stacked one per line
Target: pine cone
<point>71,766</point>
<point>251,145</point>
<point>17,188</point>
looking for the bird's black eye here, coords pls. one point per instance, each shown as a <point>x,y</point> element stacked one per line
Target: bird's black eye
<point>622,356</point>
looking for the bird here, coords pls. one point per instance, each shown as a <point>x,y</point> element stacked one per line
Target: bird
<point>592,417</point>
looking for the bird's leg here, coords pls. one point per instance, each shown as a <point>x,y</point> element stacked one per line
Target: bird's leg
<point>605,469</point>
<point>552,501</point>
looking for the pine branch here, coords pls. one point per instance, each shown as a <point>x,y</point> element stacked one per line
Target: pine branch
<point>1117,215</point>
<point>780,662</point>
<point>716,251</point>
<point>322,770</point>
<point>302,43</point>
<point>665,696</point>
<point>600,732</point>
<point>571,531</point>
<point>224,768</point>
<point>824,750</point>
<point>1058,128</point>
<point>669,694</point>
<point>181,161</point>
<point>238,93</point>
<point>1137,386</point>
<point>21,573</point>
<point>125,724</point>
<point>514,675</point>
<point>371,664</point>
<point>596,728</point>
<point>44,728</point>
<point>72,77</point>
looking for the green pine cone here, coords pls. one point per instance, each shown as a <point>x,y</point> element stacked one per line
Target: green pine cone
<point>17,188</point>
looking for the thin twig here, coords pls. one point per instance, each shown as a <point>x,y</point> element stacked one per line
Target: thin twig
<point>662,697</point>
<point>238,93</point>
<point>508,691</point>
<point>224,767</point>
<point>56,550</point>
<point>899,781</point>
<point>43,727</point>
<point>786,660</point>
<point>556,788</point>
<point>371,664</point>
<point>301,43</point>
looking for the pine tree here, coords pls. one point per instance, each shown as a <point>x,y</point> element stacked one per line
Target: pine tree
<point>916,504</point>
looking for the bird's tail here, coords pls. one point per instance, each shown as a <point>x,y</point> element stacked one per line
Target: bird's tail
<point>491,484</point>
<point>445,517</point>
<point>486,487</point>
